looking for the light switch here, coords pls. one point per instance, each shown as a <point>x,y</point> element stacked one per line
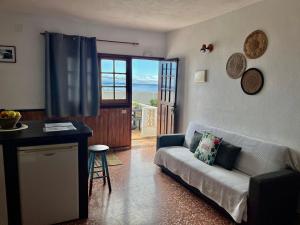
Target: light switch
<point>200,76</point>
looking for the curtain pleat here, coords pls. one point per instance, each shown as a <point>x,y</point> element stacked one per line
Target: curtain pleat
<point>71,75</point>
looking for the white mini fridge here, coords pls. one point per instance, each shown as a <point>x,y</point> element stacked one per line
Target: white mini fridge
<point>49,189</point>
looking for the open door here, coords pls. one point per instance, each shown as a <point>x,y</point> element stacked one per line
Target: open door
<point>167,86</point>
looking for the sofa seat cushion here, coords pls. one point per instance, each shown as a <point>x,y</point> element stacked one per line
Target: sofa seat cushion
<point>229,189</point>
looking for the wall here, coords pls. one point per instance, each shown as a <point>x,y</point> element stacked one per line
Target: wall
<point>273,114</point>
<point>22,84</point>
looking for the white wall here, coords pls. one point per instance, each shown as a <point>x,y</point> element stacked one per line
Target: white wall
<point>273,114</point>
<point>22,84</point>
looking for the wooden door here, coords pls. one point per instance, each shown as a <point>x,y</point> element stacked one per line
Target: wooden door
<point>168,71</point>
<point>116,92</point>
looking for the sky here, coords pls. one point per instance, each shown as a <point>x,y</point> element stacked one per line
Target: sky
<point>143,71</point>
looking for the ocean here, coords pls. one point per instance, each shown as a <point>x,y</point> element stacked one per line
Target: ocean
<point>152,88</point>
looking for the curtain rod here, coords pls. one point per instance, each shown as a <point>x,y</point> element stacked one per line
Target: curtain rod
<point>110,41</point>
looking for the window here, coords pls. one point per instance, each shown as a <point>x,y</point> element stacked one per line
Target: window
<point>115,80</point>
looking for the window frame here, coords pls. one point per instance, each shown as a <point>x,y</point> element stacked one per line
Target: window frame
<point>116,102</point>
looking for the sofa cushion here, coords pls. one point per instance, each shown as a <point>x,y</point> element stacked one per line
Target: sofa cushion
<point>195,141</point>
<point>257,156</point>
<point>208,148</point>
<point>227,188</point>
<point>227,155</point>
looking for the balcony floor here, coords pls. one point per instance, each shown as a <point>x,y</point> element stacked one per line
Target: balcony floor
<point>136,134</point>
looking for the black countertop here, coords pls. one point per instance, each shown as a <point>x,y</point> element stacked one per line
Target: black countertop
<point>35,131</point>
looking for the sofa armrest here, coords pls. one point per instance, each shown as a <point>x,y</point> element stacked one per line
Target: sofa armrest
<point>273,197</point>
<point>166,140</point>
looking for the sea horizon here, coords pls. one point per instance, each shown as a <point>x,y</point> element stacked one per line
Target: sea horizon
<point>140,87</point>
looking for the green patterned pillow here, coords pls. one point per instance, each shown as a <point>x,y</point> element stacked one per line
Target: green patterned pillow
<point>208,148</point>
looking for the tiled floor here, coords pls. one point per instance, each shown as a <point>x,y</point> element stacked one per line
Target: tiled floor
<point>136,134</point>
<point>143,195</point>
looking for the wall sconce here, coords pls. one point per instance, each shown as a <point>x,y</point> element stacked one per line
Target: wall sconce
<point>205,48</point>
<point>200,76</point>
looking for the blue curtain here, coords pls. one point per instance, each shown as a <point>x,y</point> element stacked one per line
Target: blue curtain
<point>72,78</point>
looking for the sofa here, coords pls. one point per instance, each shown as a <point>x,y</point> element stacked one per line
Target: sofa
<point>259,190</point>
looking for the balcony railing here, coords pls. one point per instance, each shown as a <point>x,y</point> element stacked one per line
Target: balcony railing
<point>144,118</point>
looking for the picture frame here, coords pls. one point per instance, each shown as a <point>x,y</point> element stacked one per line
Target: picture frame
<point>8,54</point>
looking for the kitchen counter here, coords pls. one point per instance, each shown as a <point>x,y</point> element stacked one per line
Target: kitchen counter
<point>35,132</point>
<point>35,136</point>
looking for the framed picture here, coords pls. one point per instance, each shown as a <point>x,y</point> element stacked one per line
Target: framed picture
<point>8,54</point>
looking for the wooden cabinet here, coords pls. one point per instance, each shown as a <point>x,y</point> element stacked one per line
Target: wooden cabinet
<point>112,127</point>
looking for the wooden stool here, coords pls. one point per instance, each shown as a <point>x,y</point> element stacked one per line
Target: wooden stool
<point>94,151</point>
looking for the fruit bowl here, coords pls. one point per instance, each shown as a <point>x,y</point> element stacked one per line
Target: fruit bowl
<point>7,121</point>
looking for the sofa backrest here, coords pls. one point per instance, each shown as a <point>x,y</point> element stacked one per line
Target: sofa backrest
<point>257,156</point>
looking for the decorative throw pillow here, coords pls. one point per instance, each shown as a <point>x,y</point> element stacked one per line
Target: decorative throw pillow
<point>208,148</point>
<point>195,141</point>
<point>227,155</point>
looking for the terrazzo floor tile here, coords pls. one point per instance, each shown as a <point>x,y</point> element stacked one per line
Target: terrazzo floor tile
<point>143,195</point>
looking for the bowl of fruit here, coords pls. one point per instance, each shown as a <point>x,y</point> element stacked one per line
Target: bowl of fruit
<point>9,119</point>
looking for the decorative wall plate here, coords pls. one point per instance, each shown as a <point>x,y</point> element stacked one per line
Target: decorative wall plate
<point>252,81</point>
<point>256,44</point>
<point>236,65</point>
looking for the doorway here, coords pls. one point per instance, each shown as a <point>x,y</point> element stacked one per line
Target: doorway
<point>145,80</point>
<point>138,98</point>
<point>154,91</point>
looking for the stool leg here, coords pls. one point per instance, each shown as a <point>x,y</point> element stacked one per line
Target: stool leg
<point>92,173</point>
<point>103,166</point>
<point>89,163</point>
<point>107,173</point>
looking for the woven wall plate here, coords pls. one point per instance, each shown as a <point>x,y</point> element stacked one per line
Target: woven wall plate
<point>236,65</point>
<point>252,81</point>
<point>256,44</point>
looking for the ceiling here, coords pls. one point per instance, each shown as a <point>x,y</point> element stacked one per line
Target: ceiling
<point>158,15</point>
